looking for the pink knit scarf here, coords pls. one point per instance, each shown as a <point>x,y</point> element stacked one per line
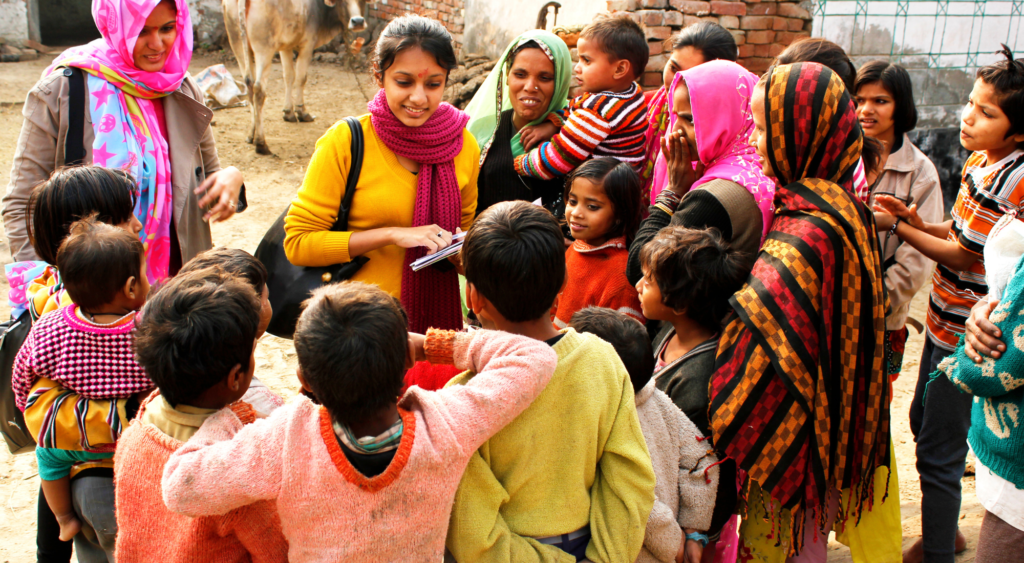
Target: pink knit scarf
<point>430,296</point>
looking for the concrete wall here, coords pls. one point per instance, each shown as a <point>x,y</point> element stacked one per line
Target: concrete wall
<point>13,21</point>
<point>492,24</point>
<point>207,23</point>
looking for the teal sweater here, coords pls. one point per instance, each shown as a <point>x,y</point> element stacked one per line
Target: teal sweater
<point>996,434</point>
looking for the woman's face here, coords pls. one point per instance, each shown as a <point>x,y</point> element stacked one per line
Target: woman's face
<point>414,84</point>
<point>681,59</point>
<point>156,39</point>
<point>875,109</point>
<point>759,136</point>
<point>684,116</point>
<point>531,84</point>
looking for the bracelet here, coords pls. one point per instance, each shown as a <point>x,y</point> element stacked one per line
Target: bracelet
<point>698,537</point>
<point>668,199</point>
<point>892,229</point>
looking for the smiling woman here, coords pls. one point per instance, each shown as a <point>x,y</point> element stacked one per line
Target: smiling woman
<point>529,81</point>
<point>417,184</point>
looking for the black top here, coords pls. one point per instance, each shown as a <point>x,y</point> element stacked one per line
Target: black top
<point>368,465</point>
<point>498,180</point>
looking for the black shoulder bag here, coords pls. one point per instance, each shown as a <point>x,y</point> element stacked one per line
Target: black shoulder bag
<point>289,285</point>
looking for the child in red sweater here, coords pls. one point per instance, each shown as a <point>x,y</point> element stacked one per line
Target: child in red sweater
<point>196,339</point>
<point>602,208</point>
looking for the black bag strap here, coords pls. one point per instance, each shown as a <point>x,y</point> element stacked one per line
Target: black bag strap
<point>353,174</point>
<point>74,149</point>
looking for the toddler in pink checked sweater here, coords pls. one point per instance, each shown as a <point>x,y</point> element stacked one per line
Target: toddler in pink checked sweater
<point>363,476</point>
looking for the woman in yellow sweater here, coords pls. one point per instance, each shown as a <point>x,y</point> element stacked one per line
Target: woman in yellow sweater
<point>417,184</point>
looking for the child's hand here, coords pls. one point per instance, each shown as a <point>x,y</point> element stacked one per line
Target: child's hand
<point>416,343</point>
<point>681,173</point>
<point>884,221</point>
<point>893,206</point>
<point>536,134</point>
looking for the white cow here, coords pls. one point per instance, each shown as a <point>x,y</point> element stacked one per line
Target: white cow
<point>259,28</point>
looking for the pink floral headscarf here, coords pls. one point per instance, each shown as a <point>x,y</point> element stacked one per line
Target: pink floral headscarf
<point>720,93</point>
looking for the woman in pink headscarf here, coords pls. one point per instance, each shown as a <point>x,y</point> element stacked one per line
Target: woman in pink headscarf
<point>706,148</point>
<point>143,115</point>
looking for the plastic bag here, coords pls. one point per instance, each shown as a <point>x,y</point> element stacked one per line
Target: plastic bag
<point>219,88</point>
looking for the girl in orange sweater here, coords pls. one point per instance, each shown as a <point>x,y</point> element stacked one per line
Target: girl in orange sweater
<point>602,209</point>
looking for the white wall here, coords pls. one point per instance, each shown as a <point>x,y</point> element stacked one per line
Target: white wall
<point>13,21</point>
<point>492,24</point>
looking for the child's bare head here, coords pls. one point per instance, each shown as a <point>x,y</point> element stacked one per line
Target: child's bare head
<point>1001,85</point>
<point>613,53</point>
<point>100,264</point>
<point>196,338</point>
<point>242,264</point>
<point>625,334</point>
<point>690,272</point>
<point>352,341</point>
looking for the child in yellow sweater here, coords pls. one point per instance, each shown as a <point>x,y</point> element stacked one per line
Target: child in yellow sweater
<point>570,478</point>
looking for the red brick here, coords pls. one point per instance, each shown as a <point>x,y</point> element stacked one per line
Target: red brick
<point>651,79</point>
<point>690,20</point>
<point>793,24</point>
<point>653,4</point>
<point>621,5</point>
<point>790,37</point>
<point>673,18</point>
<point>739,36</point>
<point>656,63</point>
<point>655,48</point>
<point>756,22</point>
<point>780,23</point>
<point>744,51</point>
<point>651,17</point>
<point>729,22</point>
<point>762,9</point>
<point>658,32</point>
<point>760,37</point>
<point>793,10</point>
<point>693,7</point>
<point>728,8</point>
<point>772,50</point>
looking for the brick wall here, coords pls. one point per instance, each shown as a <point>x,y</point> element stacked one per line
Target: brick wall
<point>762,29</point>
<point>450,13</point>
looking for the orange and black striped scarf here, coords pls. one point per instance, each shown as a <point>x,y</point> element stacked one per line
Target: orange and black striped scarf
<point>799,397</point>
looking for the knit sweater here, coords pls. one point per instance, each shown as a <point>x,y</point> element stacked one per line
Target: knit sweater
<point>685,379</point>
<point>329,512</point>
<point>996,435</point>
<point>498,178</point>
<point>602,124</point>
<point>596,276</point>
<point>93,361</point>
<point>576,456</point>
<point>148,531</point>
<point>687,475</point>
<point>385,197</point>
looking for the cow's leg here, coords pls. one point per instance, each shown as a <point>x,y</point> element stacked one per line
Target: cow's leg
<point>249,95</point>
<point>288,65</point>
<point>263,56</point>
<point>301,70</point>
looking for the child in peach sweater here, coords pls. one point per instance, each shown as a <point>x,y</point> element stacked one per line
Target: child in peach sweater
<point>363,476</point>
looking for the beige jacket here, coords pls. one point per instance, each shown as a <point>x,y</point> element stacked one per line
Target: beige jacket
<point>910,177</point>
<point>683,498</point>
<point>40,151</point>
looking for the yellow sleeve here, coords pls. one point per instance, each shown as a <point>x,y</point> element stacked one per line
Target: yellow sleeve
<point>623,492</point>
<point>469,191</point>
<point>52,417</point>
<point>477,531</point>
<point>308,240</point>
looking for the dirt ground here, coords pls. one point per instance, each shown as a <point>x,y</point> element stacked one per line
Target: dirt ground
<point>332,93</point>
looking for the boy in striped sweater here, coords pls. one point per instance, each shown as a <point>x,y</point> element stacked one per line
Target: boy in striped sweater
<point>609,118</point>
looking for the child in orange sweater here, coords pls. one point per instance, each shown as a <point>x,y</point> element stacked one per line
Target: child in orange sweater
<point>602,208</point>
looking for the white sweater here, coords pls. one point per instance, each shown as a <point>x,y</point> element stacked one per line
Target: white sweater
<point>684,498</point>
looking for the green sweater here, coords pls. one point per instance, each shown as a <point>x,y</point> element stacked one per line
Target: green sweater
<point>996,435</point>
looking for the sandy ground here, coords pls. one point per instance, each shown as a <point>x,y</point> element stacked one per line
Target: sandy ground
<point>332,93</point>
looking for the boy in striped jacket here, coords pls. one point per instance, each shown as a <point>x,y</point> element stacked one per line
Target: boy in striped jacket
<point>609,119</point>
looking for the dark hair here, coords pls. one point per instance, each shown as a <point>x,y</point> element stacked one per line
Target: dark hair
<point>351,341</point>
<point>896,81</point>
<point>622,186</point>
<point>712,40</point>
<point>72,193</point>
<point>696,270</point>
<point>96,259</point>
<point>235,261</point>
<point>625,334</point>
<point>194,330</point>
<point>1007,77</point>
<point>514,255</point>
<point>827,53</point>
<point>412,31</point>
<point>621,37</point>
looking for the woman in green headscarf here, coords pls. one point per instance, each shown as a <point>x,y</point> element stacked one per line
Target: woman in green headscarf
<point>529,81</point>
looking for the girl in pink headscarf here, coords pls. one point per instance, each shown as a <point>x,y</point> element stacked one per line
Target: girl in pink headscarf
<point>145,116</point>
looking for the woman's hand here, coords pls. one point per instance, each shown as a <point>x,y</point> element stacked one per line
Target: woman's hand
<point>679,158</point>
<point>416,344</point>
<point>893,206</point>
<point>884,221</point>
<point>981,337</point>
<point>221,191</point>
<point>693,551</point>
<point>456,259</point>
<point>534,135</point>
<point>431,237</point>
